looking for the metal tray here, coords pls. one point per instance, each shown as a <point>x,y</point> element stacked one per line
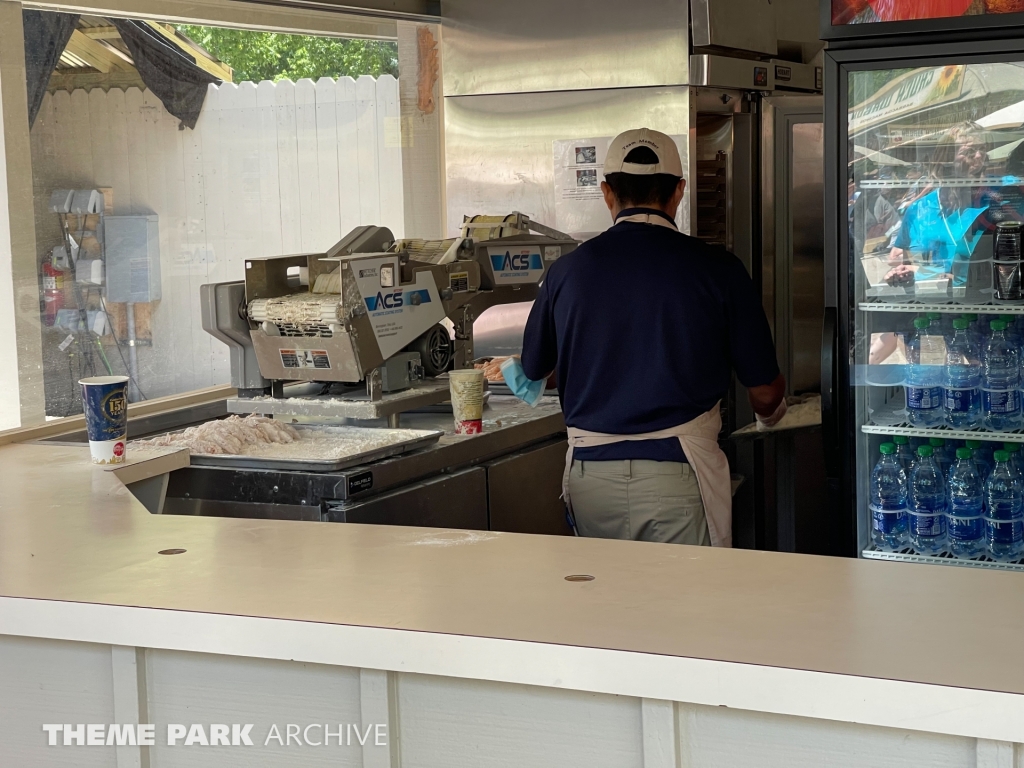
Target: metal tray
<point>414,439</point>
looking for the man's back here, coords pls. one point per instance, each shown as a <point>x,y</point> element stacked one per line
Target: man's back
<point>645,324</point>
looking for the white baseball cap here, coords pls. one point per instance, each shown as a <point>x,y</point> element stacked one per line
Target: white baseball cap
<point>661,144</point>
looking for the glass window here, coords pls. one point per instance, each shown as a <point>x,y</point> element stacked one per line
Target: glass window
<point>163,156</point>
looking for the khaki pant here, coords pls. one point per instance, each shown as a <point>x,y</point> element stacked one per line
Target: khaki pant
<point>638,500</point>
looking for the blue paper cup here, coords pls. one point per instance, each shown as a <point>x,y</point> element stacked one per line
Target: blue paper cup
<point>105,400</point>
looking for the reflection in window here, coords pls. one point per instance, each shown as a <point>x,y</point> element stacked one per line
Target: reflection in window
<point>936,161</point>
<point>159,166</point>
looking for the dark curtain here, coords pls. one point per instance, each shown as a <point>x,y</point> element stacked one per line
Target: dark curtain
<point>172,75</point>
<point>46,35</point>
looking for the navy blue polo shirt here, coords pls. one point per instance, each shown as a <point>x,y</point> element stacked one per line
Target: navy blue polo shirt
<point>644,326</point>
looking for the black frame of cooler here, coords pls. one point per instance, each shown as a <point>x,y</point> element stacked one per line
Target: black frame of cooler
<point>839,424</point>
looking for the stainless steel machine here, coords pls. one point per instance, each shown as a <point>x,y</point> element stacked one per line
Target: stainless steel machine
<point>372,322</point>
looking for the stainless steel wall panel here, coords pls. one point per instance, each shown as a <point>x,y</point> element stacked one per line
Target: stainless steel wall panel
<point>499,147</point>
<point>499,46</point>
<point>746,25</point>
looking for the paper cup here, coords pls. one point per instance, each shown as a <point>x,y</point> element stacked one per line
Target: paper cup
<point>106,417</point>
<point>467,387</point>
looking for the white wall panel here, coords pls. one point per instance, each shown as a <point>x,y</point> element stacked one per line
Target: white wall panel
<point>432,722</point>
<point>47,681</point>
<point>195,688</point>
<point>717,737</point>
<point>449,723</point>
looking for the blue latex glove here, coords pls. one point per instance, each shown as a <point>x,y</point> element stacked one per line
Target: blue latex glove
<point>527,390</point>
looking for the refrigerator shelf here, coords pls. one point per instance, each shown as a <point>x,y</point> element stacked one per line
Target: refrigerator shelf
<point>924,306</point>
<point>944,558</point>
<point>969,183</point>
<point>945,432</point>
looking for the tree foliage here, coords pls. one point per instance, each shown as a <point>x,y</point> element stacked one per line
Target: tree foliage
<point>260,56</point>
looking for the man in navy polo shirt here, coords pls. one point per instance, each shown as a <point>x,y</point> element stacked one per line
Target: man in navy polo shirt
<point>644,326</point>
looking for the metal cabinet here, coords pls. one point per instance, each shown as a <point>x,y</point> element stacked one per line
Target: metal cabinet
<point>458,500</point>
<point>524,491</point>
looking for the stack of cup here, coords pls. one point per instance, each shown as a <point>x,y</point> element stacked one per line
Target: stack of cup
<point>105,401</point>
<point>467,388</point>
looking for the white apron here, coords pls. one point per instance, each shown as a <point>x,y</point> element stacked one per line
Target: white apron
<point>699,441</point>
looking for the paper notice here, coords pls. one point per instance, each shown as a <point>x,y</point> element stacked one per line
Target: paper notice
<point>580,209</point>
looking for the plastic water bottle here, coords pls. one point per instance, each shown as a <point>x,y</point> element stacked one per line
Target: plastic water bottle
<point>974,331</point>
<point>904,455</point>
<point>926,504</point>
<point>982,458</point>
<point>924,380</point>
<point>965,522</point>
<point>943,456</point>
<point>1016,459</point>
<point>888,502</point>
<point>1001,381</point>
<point>963,379</point>
<point>985,327</point>
<point>940,325</point>
<point>1018,322</point>
<point>1012,331</point>
<point>1004,518</point>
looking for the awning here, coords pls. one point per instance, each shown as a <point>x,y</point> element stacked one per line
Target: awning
<point>1003,152</point>
<point>1008,117</point>
<point>939,96</point>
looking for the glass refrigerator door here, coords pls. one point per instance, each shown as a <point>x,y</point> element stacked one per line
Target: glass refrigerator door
<point>936,191</point>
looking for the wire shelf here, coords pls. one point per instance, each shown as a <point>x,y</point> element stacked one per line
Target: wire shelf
<point>957,309</point>
<point>983,183</point>
<point>943,558</point>
<point>979,433</point>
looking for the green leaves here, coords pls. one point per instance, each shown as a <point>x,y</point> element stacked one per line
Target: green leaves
<point>271,56</point>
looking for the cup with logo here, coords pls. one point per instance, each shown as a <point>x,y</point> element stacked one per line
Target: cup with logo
<point>105,400</point>
<point>467,389</point>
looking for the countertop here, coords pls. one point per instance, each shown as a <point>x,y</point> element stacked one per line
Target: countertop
<point>72,532</point>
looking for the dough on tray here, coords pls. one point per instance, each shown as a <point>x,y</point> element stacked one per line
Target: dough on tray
<point>227,437</point>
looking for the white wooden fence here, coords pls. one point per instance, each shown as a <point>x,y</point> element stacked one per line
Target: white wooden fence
<point>271,169</point>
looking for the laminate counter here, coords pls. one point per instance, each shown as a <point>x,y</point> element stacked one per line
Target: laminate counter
<point>925,648</point>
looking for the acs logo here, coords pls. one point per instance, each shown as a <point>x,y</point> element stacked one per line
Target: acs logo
<point>519,262</point>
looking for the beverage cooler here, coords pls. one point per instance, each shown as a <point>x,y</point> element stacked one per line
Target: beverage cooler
<point>923,344</point>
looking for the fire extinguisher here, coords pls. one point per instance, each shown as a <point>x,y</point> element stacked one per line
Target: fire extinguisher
<point>53,292</point>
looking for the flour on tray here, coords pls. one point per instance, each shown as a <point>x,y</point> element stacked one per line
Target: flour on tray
<point>263,438</point>
<point>316,445</point>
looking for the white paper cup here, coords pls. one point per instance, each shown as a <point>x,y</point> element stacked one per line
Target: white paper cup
<point>105,402</point>
<point>467,388</point>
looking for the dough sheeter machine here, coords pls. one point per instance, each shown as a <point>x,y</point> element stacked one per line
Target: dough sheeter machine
<point>371,324</point>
